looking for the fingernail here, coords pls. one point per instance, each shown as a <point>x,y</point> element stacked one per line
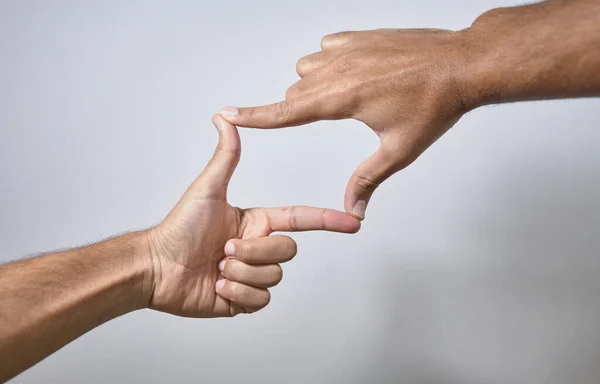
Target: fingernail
<point>222,264</point>
<point>220,283</point>
<point>229,112</point>
<point>216,124</point>
<point>359,208</point>
<point>229,249</point>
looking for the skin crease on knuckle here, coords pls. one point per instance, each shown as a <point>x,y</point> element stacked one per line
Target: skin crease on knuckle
<point>239,293</point>
<point>245,252</point>
<point>282,112</point>
<point>234,270</point>
<point>366,184</point>
<point>252,299</point>
<point>343,65</point>
<point>268,275</point>
<point>293,219</point>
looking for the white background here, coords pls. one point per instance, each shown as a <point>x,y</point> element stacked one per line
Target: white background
<point>477,264</point>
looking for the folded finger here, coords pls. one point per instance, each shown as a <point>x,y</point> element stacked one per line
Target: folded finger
<point>251,299</point>
<point>260,276</point>
<point>262,250</point>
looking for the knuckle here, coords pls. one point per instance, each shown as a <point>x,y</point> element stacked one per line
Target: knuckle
<point>233,290</point>
<point>293,91</point>
<point>347,62</point>
<point>298,88</point>
<point>343,101</point>
<point>289,94</point>
<point>244,252</point>
<point>282,111</point>
<point>236,290</point>
<point>366,184</point>
<point>329,39</point>
<point>306,62</point>
<point>293,219</point>
<point>301,65</point>
<point>241,291</point>
<point>492,17</point>
<point>343,65</point>
<point>223,148</point>
<point>232,269</point>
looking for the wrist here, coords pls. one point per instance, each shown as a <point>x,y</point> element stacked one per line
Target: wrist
<point>529,53</point>
<point>482,77</point>
<point>143,268</point>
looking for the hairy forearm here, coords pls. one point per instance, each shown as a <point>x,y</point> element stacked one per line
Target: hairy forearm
<point>546,50</point>
<point>48,301</point>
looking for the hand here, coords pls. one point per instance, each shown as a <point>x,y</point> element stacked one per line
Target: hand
<point>210,259</point>
<point>406,85</point>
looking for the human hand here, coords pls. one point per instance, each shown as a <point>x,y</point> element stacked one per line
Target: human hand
<point>406,85</point>
<point>210,259</point>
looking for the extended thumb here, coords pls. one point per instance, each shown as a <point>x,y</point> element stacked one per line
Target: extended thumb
<point>364,181</point>
<point>218,172</point>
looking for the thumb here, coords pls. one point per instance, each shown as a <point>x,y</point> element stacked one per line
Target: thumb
<point>218,172</point>
<point>365,180</point>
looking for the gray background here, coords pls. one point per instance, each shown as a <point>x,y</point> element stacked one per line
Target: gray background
<point>477,264</point>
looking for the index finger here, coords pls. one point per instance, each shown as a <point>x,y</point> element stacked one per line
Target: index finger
<point>299,218</point>
<point>278,115</point>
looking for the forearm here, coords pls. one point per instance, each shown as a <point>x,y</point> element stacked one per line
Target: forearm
<point>546,50</point>
<point>48,301</point>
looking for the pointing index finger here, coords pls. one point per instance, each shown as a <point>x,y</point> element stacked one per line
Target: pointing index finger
<point>278,115</point>
<point>300,218</point>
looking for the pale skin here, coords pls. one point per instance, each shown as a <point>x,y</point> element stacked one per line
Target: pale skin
<point>205,259</point>
<point>411,86</point>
